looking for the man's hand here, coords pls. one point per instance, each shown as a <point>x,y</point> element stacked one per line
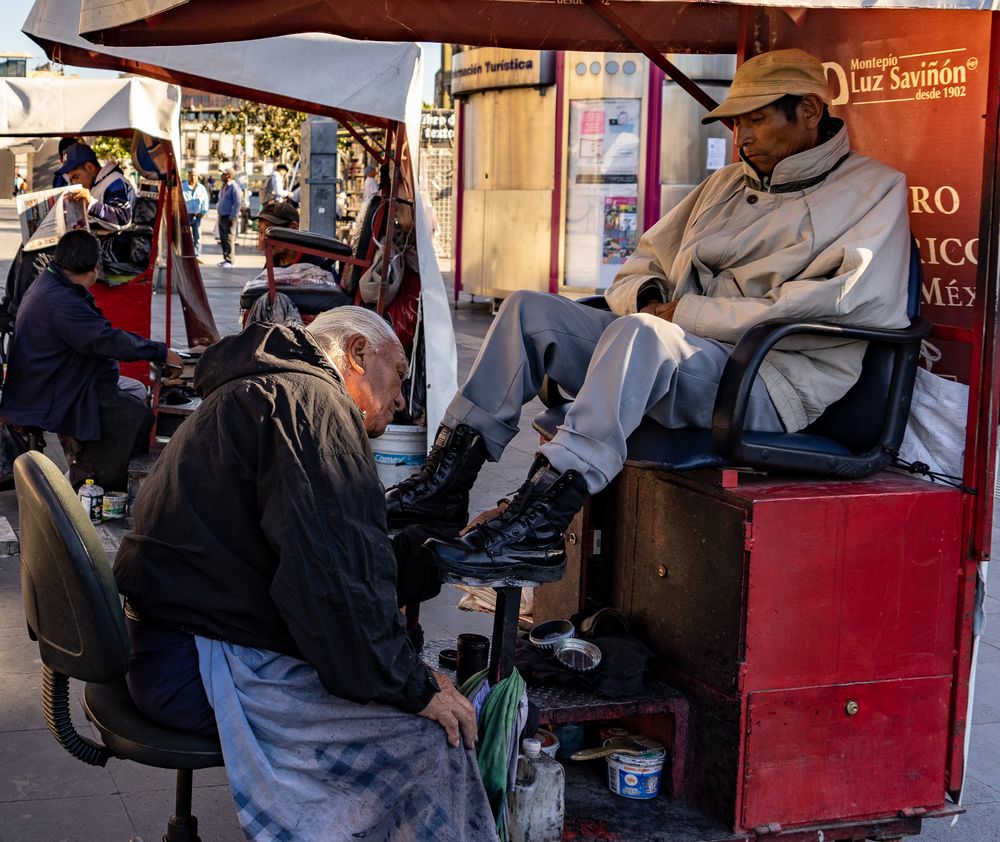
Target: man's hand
<point>661,309</point>
<point>453,712</point>
<point>81,195</point>
<point>174,361</point>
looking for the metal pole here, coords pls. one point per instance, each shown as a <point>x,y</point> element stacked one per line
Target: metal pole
<point>557,174</point>
<point>654,134</point>
<point>397,130</point>
<point>168,209</point>
<point>459,194</point>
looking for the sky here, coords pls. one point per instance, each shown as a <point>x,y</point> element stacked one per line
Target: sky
<point>13,13</point>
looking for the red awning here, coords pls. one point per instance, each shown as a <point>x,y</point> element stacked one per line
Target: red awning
<point>538,24</point>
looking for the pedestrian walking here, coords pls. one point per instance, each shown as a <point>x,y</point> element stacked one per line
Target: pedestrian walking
<point>196,200</point>
<point>230,202</point>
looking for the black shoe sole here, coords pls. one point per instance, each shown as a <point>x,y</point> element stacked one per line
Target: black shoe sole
<point>477,564</point>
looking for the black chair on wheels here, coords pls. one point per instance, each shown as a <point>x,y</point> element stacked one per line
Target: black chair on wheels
<point>74,612</point>
<point>855,437</point>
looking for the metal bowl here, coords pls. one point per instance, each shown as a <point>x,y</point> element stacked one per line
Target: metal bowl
<point>548,636</point>
<point>578,655</point>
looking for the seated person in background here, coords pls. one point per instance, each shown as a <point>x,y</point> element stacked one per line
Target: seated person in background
<point>310,281</point>
<point>107,193</point>
<point>58,178</point>
<point>62,373</point>
<point>109,198</point>
<point>273,613</point>
<point>801,228</point>
<point>284,214</point>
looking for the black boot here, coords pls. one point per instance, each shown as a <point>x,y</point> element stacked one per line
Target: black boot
<point>438,494</point>
<point>524,542</point>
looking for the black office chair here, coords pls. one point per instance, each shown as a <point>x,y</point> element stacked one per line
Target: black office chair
<point>855,437</point>
<point>74,612</point>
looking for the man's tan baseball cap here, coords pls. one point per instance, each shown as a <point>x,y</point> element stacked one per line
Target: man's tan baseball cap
<point>767,78</point>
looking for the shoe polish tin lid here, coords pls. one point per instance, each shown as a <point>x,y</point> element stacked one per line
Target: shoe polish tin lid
<point>550,635</point>
<point>448,659</point>
<point>578,655</point>
<point>549,741</point>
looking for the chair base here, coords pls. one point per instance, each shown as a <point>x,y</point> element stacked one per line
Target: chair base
<point>183,825</point>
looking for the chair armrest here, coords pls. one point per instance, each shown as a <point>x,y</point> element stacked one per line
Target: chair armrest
<point>729,414</point>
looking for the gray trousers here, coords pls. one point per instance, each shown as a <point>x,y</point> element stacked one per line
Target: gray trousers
<point>618,368</point>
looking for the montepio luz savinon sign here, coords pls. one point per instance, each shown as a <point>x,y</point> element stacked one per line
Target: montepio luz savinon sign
<point>914,97</point>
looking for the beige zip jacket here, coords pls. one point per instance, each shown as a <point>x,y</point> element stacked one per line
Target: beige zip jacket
<point>826,240</point>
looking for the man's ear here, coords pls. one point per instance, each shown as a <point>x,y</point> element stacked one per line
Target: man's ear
<point>811,110</point>
<point>356,352</point>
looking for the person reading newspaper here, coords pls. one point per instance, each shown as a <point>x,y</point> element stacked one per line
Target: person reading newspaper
<point>104,190</point>
<point>98,197</point>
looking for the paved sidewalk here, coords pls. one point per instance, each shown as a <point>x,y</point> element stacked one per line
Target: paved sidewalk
<point>47,796</point>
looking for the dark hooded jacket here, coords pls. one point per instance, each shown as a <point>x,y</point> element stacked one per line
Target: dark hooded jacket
<point>263,523</point>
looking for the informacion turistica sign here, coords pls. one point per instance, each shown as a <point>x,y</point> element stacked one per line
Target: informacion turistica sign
<point>492,68</point>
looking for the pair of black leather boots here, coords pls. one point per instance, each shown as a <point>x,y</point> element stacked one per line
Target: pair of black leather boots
<point>522,543</point>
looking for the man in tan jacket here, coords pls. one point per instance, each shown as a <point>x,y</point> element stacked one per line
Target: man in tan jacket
<point>802,228</point>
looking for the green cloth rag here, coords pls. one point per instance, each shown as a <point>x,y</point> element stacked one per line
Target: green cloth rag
<point>497,717</point>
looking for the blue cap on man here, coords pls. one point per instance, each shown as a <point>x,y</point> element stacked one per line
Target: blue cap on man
<point>76,156</point>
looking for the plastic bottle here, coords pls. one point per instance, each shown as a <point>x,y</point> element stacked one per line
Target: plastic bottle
<point>92,497</point>
<point>537,804</point>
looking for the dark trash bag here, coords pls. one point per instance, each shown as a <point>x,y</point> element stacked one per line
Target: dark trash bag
<point>26,266</point>
<point>127,252</point>
<point>144,211</point>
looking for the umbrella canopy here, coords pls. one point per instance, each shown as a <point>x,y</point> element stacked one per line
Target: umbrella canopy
<point>373,83</point>
<point>57,106</point>
<point>318,74</point>
<point>670,25</point>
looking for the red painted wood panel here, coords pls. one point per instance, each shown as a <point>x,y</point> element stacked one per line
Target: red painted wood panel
<point>852,588</point>
<point>808,760</point>
<point>128,306</point>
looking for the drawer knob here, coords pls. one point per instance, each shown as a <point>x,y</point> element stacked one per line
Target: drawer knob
<point>851,708</point>
<point>661,571</point>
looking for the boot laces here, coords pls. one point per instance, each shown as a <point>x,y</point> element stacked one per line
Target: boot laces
<point>523,508</point>
<point>434,464</point>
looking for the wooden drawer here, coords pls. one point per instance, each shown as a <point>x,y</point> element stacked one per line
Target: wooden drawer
<point>808,758</point>
<point>679,575</point>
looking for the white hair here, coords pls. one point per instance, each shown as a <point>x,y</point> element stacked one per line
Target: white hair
<point>332,329</point>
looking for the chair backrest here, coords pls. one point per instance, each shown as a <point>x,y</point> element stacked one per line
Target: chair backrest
<point>857,420</point>
<point>70,599</point>
<point>372,228</point>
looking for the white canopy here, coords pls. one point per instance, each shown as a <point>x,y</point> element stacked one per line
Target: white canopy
<point>57,106</point>
<point>319,74</point>
<point>324,72</point>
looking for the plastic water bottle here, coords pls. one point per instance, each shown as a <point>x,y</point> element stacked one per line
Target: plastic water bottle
<point>92,497</point>
<point>537,804</point>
